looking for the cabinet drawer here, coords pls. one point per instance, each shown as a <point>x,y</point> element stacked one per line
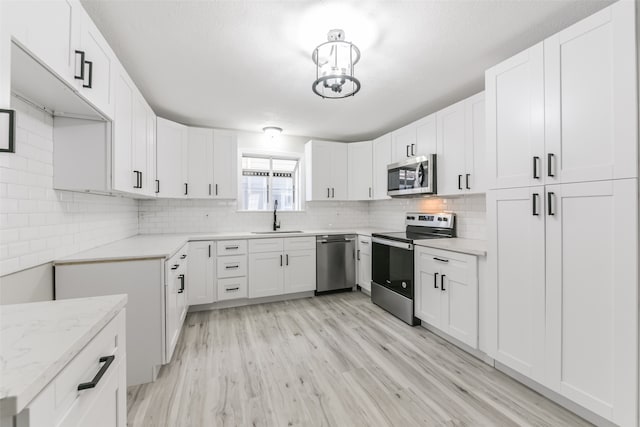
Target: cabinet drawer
<point>231,247</point>
<point>299,243</point>
<point>232,288</point>
<point>232,266</point>
<point>364,245</point>
<point>265,245</point>
<point>179,258</point>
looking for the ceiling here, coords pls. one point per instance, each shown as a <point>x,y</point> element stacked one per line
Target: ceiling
<point>247,64</point>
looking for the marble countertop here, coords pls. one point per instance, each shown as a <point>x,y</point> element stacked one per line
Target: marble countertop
<point>37,340</point>
<point>148,246</point>
<point>456,244</point>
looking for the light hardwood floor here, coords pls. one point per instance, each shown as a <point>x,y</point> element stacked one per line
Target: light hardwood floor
<point>334,360</point>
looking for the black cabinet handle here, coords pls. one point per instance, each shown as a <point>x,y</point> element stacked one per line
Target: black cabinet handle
<point>107,360</point>
<point>232,289</point>
<point>181,277</point>
<point>231,247</point>
<point>175,266</point>
<point>280,260</point>
<point>186,188</point>
<point>408,155</point>
<point>209,251</point>
<point>442,282</point>
<point>435,280</point>
<point>231,267</point>
<point>358,255</point>
<point>287,257</point>
<point>440,259</point>
<point>183,256</point>
<point>370,192</point>
<point>333,193</point>
<point>550,195</point>
<point>81,76</point>
<point>138,179</point>
<point>459,182</point>
<point>90,64</point>
<point>157,186</point>
<point>536,159</point>
<point>412,151</point>
<point>216,189</point>
<point>549,164</point>
<point>534,201</point>
<point>209,189</point>
<point>466,179</point>
<point>140,175</point>
<point>328,192</point>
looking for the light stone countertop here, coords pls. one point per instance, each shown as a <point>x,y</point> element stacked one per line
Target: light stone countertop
<point>456,244</point>
<point>149,246</point>
<point>37,340</point>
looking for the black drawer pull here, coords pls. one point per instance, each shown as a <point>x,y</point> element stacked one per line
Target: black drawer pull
<point>232,289</point>
<point>107,360</point>
<point>442,282</point>
<point>549,165</point>
<point>230,247</point>
<point>550,195</point>
<point>230,267</point>
<point>466,179</point>
<point>157,186</point>
<point>534,208</point>
<point>183,256</point>
<point>175,266</point>
<point>459,182</point>
<point>536,159</point>
<point>89,85</point>
<point>435,280</point>
<point>81,76</point>
<point>181,277</point>
<point>440,259</point>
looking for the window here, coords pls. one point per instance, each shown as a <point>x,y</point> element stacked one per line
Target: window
<point>267,179</point>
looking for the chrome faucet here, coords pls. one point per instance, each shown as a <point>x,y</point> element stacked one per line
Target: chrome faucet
<point>276,224</point>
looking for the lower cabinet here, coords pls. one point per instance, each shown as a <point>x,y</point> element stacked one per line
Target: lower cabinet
<point>231,269</point>
<point>290,268</point>
<point>176,299</point>
<point>105,405</point>
<point>364,263</point>
<point>446,293</point>
<point>201,273</point>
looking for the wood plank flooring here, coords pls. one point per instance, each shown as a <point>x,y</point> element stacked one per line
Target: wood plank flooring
<point>335,360</point>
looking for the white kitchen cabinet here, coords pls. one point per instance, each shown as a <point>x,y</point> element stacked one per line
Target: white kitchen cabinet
<point>590,93</point>
<point>176,302</point>
<point>289,269</point>
<point>592,295</point>
<point>124,179</point>
<point>105,405</point>
<point>172,159</point>
<point>140,145</point>
<point>201,273</point>
<point>415,139</point>
<point>447,292</point>
<point>232,288</point>
<point>516,278</point>
<point>515,120</point>
<point>225,164</point>
<point>381,159</point>
<point>326,170</point>
<point>461,147</point>
<point>200,162</point>
<point>151,180</point>
<point>364,262</point>
<point>360,155</point>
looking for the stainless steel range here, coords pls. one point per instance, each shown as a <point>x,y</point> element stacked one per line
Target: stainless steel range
<point>392,286</point>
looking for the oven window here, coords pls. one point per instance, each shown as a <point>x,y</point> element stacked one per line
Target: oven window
<point>393,268</point>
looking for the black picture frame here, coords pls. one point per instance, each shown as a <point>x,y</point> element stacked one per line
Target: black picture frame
<point>10,146</point>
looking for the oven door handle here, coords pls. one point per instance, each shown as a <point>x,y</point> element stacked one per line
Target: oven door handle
<point>394,243</point>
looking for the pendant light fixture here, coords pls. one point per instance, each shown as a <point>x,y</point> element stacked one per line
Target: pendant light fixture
<point>334,61</point>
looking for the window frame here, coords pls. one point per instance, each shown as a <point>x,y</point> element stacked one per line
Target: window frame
<point>298,187</point>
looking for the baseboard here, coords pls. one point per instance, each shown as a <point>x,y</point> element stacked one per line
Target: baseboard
<point>467,348</point>
<point>249,301</point>
<point>557,398</point>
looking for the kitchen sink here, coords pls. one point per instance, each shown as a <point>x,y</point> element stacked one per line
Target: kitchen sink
<point>276,232</point>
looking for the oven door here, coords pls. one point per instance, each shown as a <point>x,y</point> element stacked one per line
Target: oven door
<point>392,265</point>
<point>412,176</point>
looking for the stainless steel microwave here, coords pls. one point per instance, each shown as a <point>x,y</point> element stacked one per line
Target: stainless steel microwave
<point>412,177</point>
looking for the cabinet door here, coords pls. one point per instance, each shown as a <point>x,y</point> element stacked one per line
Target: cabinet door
<point>266,274</point>
<point>139,142</point>
<point>45,29</point>
<point>450,162</point>
<point>403,140</point>
<point>151,181</point>
<point>426,136</point>
<point>339,171</point>
<point>381,159</point>
<point>428,306</point>
<point>318,170</point>
<point>98,68</point>
<point>516,278</point>
<point>360,156</point>
<point>201,266</point>
<point>515,120</point>
<point>124,179</point>
<point>475,180</point>
<point>459,286</point>
<point>592,297</point>
<point>364,262</point>
<point>300,271</point>
<point>590,93</point>
<point>170,151</point>
<point>200,163</point>
<point>225,164</point>
<point>171,314</point>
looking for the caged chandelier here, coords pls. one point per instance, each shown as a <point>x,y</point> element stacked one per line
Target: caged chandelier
<point>334,61</point>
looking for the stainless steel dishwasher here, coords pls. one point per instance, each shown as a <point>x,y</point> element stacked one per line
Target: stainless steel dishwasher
<point>335,262</point>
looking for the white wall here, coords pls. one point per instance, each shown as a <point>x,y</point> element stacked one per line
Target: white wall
<point>39,224</point>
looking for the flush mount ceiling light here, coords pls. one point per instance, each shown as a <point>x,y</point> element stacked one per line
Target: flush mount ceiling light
<point>334,61</point>
<point>272,131</point>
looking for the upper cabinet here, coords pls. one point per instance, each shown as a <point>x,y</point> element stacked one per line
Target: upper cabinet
<point>381,159</point>
<point>415,139</point>
<point>360,180</point>
<point>225,164</point>
<point>326,170</point>
<point>565,110</point>
<point>461,147</point>
<point>200,162</point>
<point>171,159</point>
